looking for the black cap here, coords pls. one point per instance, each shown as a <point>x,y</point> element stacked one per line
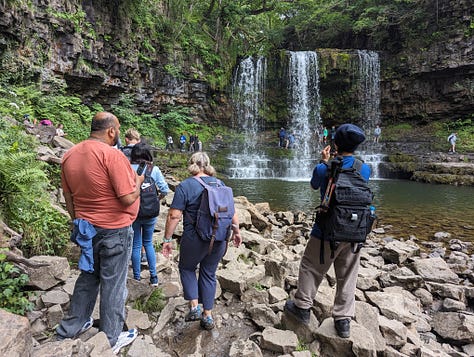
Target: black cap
<point>348,137</point>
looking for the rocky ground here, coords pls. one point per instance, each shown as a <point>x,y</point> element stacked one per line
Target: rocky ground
<point>414,298</point>
<point>411,300</point>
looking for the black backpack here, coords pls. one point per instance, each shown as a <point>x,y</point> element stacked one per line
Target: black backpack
<point>347,218</point>
<point>127,151</point>
<point>149,197</point>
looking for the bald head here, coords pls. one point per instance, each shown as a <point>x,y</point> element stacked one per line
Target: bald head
<point>106,128</point>
<point>102,121</point>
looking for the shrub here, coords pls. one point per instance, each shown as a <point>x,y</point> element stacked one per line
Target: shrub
<point>12,297</point>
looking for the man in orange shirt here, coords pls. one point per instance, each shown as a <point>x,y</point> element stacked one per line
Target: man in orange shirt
<point>101,192</point>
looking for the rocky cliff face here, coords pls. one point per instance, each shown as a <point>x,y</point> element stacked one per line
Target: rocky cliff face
<point>86,47</point>
<point>100,56</point>
<point>435,82</point>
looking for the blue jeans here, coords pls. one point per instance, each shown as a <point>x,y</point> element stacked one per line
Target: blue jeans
<point>112,249</point>
<point>143,235</point>
<point>193,251</point>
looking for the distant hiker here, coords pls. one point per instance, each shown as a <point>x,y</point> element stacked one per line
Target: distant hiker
<point>182,142</point>
<point>46,122</point>
<point>169,143</point>
<point>194,251</point>
<point>199,145</point>
<point>452,140</point>
<point>60,131</point>
<point>282,137</point>
<point>333,134</point>
<point>192,140</point>
<point>102,193</point>
<point>132,137</point>
<point>290,142</point>
<point>320,253</point>
<point>377,132</point>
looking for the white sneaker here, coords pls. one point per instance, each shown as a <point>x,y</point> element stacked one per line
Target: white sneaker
<point>125,338</point>
<point>87,325</point>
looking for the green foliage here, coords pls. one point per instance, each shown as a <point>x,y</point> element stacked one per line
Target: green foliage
<point>24,198</point>
<point>77,19</point>
<point>302,346</point>
<point>12,297</point>
<point>397,132</point>
<point>153,303</point>
<point>68,110</point>
<point>465,130</point>
<point>59,108</point>
<point>147,125</point>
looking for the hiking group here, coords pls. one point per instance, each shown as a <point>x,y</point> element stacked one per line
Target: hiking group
<point>113,199</point>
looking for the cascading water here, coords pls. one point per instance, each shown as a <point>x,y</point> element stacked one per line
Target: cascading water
<point>369,89</point>
<point>247,161</point>
<point>369,98</point>
<point>305,119</point>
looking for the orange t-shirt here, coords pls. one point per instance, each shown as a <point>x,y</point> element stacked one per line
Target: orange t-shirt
<point>96,175</point>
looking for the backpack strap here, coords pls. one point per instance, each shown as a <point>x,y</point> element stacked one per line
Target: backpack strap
<point>357,164</point>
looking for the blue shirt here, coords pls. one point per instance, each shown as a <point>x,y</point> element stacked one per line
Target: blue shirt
<point>158,177</point>
<point>320,180</point>
<point>187,198</point>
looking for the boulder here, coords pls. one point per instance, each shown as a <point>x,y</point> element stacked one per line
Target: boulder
<point>368,316</point>
<point>144,346</point>
<point>435,269</point>
<point>455,326</point>
<point>281,341</point>
<point>398,252</point>
<point>236,280</point>
<point>15,335</point>
<point>244,348</point>
<point>394,332</point>
<point>67,347</point>
<point>360,343</point>
<point>263,316</point>
<point>54,271</point>
<point>276,294</point>
<point>396,303</point>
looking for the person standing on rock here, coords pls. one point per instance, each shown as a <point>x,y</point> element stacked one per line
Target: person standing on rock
<point>193,250</point>
<point>452,140</point>
<point>101,192</point>
<point>144,225</point>
<point>318,256</point>
<point>377,133</point>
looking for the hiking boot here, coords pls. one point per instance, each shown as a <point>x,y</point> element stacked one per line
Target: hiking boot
<point>207,323</point>
<point>343,327</point>
<point>154,281</point>
<point>298,313</point>
<point>124,339</point>
<point>194,314</point>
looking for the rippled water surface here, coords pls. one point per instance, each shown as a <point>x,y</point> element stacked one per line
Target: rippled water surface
<point>411,207</point>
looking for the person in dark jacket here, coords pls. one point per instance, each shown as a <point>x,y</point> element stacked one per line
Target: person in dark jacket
<point>346,263</point>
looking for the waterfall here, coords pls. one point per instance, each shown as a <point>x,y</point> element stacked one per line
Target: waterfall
<point>369,98</point>
<point>247,92</point>
<point>369,90</point>
<point>305,119</point>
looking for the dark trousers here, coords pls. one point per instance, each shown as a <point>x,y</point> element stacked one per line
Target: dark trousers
<point>112,249</point>
<point>194,251</point>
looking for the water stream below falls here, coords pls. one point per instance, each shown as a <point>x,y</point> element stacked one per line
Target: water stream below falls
<point>410,207</point>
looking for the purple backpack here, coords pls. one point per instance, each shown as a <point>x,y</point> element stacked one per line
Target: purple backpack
<point>214,217</point>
